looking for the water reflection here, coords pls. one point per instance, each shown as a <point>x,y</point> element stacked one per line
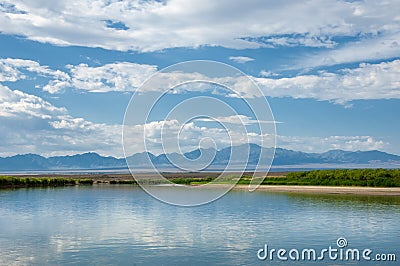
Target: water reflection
<point>123,225</point>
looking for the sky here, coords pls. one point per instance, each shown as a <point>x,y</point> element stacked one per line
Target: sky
<point>330,71</point>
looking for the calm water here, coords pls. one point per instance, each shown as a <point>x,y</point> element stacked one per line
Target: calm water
<point>122,225</point>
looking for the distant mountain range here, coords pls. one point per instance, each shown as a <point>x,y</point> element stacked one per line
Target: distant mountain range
<point>94,161</point>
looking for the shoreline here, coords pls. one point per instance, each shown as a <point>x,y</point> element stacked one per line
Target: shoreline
<point>371,191</point>
<point>126,179</point>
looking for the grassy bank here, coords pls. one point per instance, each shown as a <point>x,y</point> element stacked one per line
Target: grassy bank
<point>11,181</point>
<point>345,177</point>
<point>340,177</point>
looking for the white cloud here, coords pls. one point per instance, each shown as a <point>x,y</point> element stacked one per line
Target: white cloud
<point>17,104</point>
<point>9,73</point>
<point>154,25</point>
<point>323,144</point>
<point>29,124</point>
<point>125,76</point>
<point>174,136</point>
<point>119,76</point>
<point>12,69</point>
<point>386,46</point>
<point>191,135</point>
<point>241,59</point>
<point>265,73</point>
<point>368,81</point>
<point>310,41</point>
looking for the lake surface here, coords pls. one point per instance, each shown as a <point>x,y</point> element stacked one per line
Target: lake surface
<point>122,225</point>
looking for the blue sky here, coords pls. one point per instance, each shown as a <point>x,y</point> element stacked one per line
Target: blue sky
<point>329,69</point>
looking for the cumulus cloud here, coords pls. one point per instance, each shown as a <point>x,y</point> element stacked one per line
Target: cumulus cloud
<point>15,104</point>
<point>9,73</point>
<point>14,69</point>
<point>156,25</point>
<point>368,81</point>
<point>29,124</point>
<point>174,136</point>
<point>241,59</point>
<point>119,76</point>
<point>365,82</point>
<point>162,136</point>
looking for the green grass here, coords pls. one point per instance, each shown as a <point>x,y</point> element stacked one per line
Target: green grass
<point>191,180</point>
<point>345,177</point>
<point>339,177</point>
<point>11,181</point>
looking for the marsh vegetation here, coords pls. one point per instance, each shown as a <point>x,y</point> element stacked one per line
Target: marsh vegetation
<point>338,177</point>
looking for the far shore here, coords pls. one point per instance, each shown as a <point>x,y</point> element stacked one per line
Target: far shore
<point>372,191</point>
<point>274,179</point>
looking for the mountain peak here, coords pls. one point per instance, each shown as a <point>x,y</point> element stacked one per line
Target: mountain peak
<point>144,160</point>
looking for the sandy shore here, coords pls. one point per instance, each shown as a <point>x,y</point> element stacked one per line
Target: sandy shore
<point>378,191</point>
